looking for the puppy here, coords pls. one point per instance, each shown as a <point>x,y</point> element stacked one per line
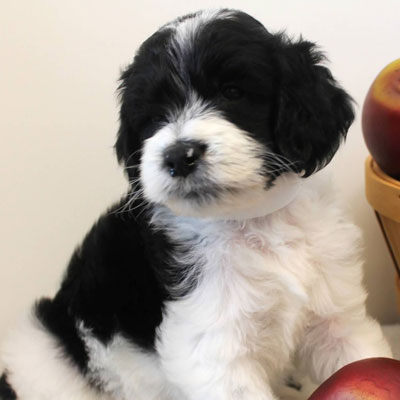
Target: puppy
<point>225,263</point>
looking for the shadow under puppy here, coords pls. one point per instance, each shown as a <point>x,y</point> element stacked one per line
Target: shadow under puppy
<point>224,263</point>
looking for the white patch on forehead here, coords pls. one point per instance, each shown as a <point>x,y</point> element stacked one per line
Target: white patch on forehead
<point>184,32</point>
<point>186,29</point>
<point>184,35</point>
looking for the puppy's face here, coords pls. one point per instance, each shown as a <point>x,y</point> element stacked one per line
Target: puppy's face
<point>220,118</point>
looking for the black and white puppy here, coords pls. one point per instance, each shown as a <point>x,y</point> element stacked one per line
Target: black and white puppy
<point>224,264</point>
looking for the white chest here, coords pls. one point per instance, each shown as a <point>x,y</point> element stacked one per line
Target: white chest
<point>250,296</point>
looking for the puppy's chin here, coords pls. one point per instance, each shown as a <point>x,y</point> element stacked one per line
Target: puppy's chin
<point>251,202</point>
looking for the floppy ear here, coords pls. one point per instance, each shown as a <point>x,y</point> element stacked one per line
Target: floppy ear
<point>121,145</point>
<point>127,146</point>
<point>314,112</point>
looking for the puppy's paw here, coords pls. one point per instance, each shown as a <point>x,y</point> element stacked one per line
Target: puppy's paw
<point>246,393</point>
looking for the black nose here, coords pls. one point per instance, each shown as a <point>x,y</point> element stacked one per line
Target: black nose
<point>182,158</point>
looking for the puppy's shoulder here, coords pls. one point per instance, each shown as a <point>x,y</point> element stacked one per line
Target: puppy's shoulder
<point>112,279</point>
<point>323,211</point>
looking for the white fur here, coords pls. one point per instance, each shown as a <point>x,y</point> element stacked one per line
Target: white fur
<point>186,30</point>
<point>270,288</point>
<point>126,371</point>
<point>38,369</point>
<point>233,161</point>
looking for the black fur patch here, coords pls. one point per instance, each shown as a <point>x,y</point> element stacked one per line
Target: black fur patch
<point>289,101</point>
<point>59,321</point>
<point>115,282</point>
<point>6,391</point>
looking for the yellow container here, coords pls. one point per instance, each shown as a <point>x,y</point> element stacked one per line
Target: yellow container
<point>398,291</point>
<point>383,193</point>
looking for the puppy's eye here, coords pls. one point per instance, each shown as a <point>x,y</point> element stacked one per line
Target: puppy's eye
<point>232,92</point>
<point>158,119</point>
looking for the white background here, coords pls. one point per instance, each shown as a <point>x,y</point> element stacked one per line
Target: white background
<point>59,65</point>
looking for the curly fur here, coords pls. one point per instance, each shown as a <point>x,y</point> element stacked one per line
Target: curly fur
<point>227,262</point>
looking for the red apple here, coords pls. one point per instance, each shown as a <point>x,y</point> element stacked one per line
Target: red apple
<point>369,379</point>
<point>381,119</point>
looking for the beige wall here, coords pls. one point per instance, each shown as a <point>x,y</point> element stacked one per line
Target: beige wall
<point>59,63</point>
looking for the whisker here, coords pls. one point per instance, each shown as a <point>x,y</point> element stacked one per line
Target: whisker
<point>134,194</point>
<point>131,155</point>
<point>132,166</point>
<point>279,163</point>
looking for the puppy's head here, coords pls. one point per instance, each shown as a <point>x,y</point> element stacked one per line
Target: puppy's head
<point>220,118</point>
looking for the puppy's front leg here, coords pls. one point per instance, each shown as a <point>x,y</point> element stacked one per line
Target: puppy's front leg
<point>339,330</point>
<point>241,379</point>
<point>214,366</point>
<point>332,342</point>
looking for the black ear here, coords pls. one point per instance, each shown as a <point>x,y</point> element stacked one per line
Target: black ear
<point>127,146</point>
<point>121,145</point>
<point>313,112</point>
